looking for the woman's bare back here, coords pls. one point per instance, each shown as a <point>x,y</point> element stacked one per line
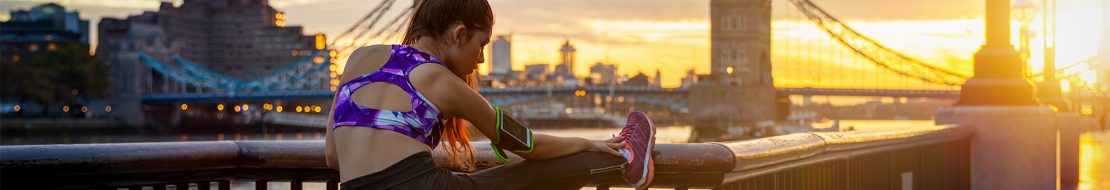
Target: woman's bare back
<point>362,150</point>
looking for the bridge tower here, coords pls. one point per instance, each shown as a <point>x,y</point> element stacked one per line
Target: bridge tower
<point>739,91</point>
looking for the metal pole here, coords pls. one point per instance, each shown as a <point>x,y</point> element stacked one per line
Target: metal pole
<point>1049,91</point>
<point>998,76</point>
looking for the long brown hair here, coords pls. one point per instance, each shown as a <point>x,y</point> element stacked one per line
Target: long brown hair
<point>431,19</point>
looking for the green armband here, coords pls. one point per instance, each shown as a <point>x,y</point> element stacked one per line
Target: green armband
<point>511,135</point>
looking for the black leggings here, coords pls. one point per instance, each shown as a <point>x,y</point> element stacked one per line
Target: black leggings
<point>419,171</point>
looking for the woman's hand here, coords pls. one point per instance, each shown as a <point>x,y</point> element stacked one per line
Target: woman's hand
<point>607,146</point>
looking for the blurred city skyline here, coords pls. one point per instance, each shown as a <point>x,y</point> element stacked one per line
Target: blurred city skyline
<point>673,36</point>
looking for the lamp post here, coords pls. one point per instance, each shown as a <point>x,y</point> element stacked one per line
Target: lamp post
<point>1049,90</point>
<point>998,79</point>
<point>1024,12</point>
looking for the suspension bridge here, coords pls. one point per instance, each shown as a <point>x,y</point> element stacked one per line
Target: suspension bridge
<point>973,146</point>
<point>842,62</point>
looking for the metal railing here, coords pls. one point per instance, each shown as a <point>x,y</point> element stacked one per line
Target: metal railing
<point>929,157</point>
<point>913,158</point>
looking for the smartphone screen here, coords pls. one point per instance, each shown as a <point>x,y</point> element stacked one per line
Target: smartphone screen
<point>515,136</point>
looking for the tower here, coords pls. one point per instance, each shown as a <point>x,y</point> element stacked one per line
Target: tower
<point>566,58</point>
<point>739,91</point>
<point>658,78</point>
<point>741,42</point>
<point>502,54</point>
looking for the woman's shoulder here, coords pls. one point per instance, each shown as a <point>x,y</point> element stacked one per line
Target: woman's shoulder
<point>372,50</point>
<point>367,58</point>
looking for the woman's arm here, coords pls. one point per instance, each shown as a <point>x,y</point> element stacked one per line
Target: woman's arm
<point>548,146</point>
<point>454,98</point>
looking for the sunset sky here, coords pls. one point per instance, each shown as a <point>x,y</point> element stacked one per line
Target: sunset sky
<point>672,35</point>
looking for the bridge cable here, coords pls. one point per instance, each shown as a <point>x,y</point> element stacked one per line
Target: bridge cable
<point>392,24</point>
<point>368,28</point>
<point>359,22</point>
<point>395,32</point>
<point>874,51</point>
<point>1061,70</point>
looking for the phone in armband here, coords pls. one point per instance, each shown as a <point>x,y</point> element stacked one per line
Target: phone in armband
<point>511,135</point>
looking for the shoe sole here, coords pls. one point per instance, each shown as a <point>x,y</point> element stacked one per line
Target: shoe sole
<point>646,177</point>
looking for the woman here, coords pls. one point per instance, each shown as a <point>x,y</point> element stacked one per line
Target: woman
<point>398,101</point>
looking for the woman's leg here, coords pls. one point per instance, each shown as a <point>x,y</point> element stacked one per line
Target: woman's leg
<point>568,172</point>
<point>418,171</point>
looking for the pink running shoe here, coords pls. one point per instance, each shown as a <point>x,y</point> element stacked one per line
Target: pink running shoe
<point>639,138</point>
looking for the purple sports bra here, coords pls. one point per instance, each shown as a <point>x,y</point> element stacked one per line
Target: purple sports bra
<point>421,123</point>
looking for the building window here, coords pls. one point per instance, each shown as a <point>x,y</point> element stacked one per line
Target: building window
<point>734,23</point>
<point>742,55</point>
<point>727,52</point>
<point>726,23</point>
<point>734,20</point>
<point>742,23</point>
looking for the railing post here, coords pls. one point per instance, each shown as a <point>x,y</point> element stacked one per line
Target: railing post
<point>1014,147</point>
<point>1070,128</point>
<point>181,186</point>
<point>333,184</point>
<point>1016,142</point>
<point>296,184</point>
<point>261,184</point>
<point>224,185</point>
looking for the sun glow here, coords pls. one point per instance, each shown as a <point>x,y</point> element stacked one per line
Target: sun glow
<point>677,45</point>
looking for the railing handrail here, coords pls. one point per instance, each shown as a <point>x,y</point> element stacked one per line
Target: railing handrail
<point>769,151</point>
<point>674,162</point>
<point>779,153</point>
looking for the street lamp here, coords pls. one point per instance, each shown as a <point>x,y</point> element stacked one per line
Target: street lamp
<point>998,78</point>
<point>1048,91</point>
<point>1026,11</point>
